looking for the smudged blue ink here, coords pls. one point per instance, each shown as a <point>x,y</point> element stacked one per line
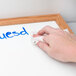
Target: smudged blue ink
<point>24,32</point>
<point>4,37</point>
<point>16,33</point>
<point>8,35</point>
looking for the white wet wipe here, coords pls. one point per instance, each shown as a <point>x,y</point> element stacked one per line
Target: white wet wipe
<point>35,40</point>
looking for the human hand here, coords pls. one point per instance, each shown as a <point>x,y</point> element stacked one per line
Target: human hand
<point>58,44</point>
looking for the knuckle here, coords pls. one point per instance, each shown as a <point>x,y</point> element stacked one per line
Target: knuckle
<point>45,38</point>
<point>59,30</point>
<point>47,27</point>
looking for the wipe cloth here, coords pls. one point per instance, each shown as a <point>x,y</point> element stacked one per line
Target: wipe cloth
<point>35,40</point>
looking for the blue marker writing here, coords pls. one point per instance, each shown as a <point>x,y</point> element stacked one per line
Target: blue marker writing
<point>4,37</point>
<point>14,33</point>
<point>8,34</point>
<point>23,32</point>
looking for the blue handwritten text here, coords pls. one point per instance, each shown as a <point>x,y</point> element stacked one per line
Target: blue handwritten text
<point>14,33</point>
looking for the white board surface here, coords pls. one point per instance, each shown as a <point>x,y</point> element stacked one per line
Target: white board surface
<point>20,57</point>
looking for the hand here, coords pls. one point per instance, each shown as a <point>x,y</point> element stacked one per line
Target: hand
<point>58,44</point>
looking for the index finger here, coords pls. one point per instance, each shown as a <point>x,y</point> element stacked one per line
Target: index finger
<point>46,30</point>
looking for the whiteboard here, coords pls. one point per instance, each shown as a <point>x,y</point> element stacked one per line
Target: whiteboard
<point>20,57</point>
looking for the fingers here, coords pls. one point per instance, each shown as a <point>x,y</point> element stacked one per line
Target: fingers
<point>35,35</point>
<point>46,39</point>
<point>46,30</point>
<point>43,46</point>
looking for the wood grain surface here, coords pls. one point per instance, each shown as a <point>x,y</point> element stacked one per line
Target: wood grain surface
<point>33,19</point>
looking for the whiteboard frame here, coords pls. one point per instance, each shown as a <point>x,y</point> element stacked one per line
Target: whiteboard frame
<point>33,19</point>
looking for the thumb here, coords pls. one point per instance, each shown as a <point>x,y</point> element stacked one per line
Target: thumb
<point>43,46</point>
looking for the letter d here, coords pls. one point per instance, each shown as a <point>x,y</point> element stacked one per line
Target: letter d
<point>24,32</point>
